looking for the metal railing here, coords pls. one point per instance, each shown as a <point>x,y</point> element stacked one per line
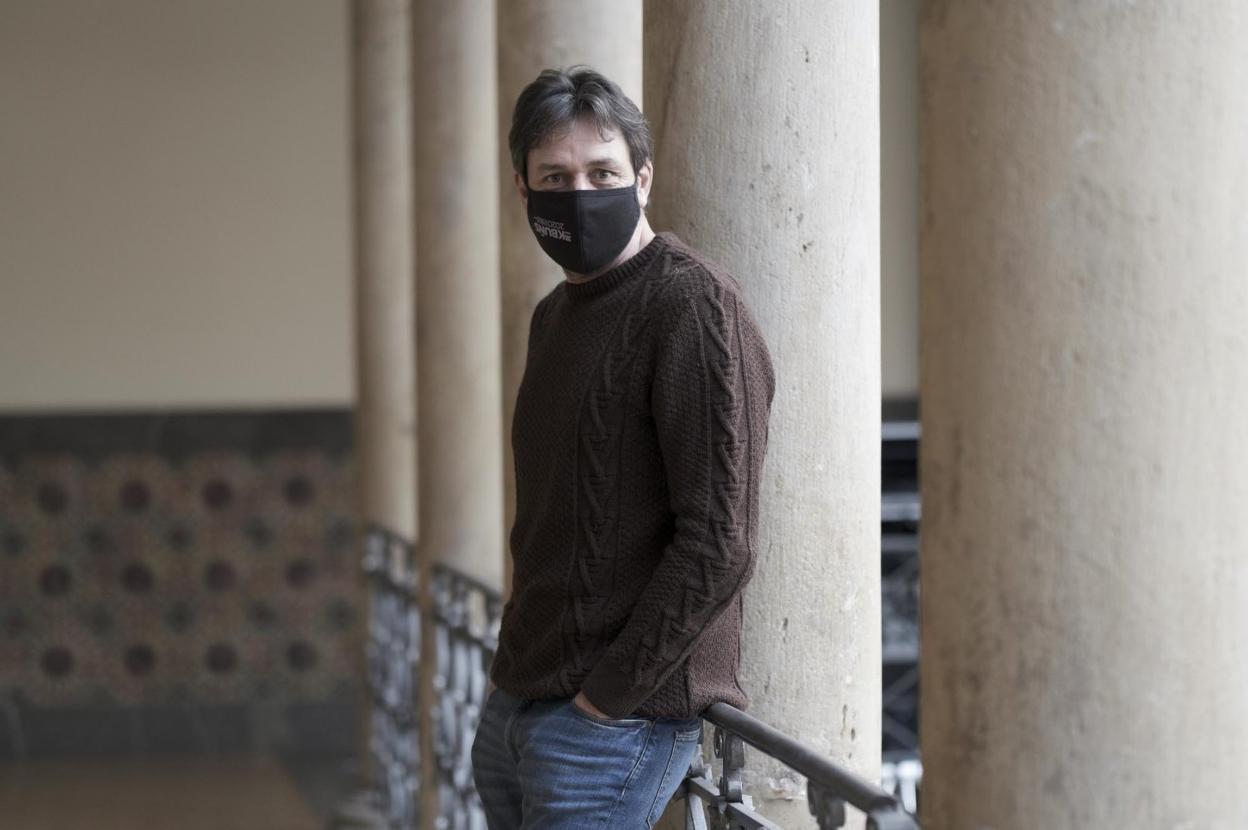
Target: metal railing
<point>393,682</point>
<point>829,787</point>
<point>466,616</point>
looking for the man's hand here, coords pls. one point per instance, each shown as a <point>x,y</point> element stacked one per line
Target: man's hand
<point>583,702</point>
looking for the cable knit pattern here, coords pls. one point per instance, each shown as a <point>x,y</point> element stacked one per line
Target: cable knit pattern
<point>599,476</point>
<point>639,436</point>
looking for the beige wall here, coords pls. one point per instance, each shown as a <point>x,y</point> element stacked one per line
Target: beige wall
<point>174,203</point>
<point>899,197</point>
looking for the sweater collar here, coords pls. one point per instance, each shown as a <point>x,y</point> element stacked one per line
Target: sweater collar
<point>604,282</point>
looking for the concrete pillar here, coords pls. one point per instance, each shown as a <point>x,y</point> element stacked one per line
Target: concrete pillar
<point>384,309</point>
<point>385,430</point>
<point>458,349</point>
<point>1084,380</point>
<point>537,35</point>
<point>767,123</point>
<point>460,412</point>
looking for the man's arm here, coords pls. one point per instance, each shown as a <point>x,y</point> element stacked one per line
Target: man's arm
<point>710,399</point>
<point>535,323</point>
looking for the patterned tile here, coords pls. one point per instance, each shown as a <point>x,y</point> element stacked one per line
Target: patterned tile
<point>153,560</point>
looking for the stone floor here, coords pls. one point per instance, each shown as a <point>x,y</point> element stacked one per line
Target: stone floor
<point>226,792</point>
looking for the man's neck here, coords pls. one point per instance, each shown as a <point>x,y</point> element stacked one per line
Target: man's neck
<point>640,239</point>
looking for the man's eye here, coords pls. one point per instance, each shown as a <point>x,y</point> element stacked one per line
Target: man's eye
<point>553,177</point>
<point>605,174</point>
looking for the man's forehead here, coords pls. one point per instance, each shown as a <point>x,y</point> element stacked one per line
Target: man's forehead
<point>579,142</point>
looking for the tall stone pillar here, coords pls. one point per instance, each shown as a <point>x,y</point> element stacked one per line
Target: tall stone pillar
<point>458,349</point>
<point>385,430</point>
<point>460,411</point>
<point>1084,380</point>
<point>384,306</point>
<point>767,123</point>
<point>536,35</point>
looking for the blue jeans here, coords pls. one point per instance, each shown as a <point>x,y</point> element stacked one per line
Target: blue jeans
<point>551,765</point>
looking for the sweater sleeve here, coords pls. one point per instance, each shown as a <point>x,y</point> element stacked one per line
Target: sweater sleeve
<point>710,400</point>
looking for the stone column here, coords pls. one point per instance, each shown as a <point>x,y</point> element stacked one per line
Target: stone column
<point>536,35</point>
<point>384,308</point>
<point>1084,380</point>
<point>385,439</point>
<point>767,122</point>
<point>458,349</point>
<point>459,383</point>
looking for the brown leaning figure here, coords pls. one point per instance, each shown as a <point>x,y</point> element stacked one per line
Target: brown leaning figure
<point>639,435</point>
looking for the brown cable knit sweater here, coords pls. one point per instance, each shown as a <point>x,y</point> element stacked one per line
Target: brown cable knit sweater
<point>639,435</point>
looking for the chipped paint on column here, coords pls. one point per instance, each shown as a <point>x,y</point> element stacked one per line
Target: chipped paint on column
<point>458,368</point>
<point>536,35</point>
<point>384,310</point>
<point>767,122</point>
<point>1084,379</point>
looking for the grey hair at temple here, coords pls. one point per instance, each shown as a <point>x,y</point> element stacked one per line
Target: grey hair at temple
<point>557,97</point>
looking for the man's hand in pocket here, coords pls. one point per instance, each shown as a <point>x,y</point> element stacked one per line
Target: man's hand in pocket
<point>583,702</point>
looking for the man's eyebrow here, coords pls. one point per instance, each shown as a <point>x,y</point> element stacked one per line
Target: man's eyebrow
<point>605,161</point>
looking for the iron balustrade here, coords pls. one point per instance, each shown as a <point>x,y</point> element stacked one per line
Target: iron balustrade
<point>393,667</point>
<point>465,615</point>
<point>829,787</point>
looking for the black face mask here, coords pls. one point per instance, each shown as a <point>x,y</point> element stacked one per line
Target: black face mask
<point>583,230</point>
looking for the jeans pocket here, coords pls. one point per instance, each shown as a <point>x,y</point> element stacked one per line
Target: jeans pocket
<point>689,732</point>
<point>684,749</point>
<point>618,723</point>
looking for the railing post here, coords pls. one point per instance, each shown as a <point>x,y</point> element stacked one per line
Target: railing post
<point>826,807</point>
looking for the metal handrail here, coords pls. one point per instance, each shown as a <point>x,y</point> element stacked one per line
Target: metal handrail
<point>829,786</point>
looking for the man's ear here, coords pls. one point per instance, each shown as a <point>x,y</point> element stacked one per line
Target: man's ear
<point>645,177</point>
<point>521,189</point>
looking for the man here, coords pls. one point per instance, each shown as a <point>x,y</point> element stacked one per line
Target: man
<point>639,436</point>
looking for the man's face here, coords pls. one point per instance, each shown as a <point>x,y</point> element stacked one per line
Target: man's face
<point>579,159</point>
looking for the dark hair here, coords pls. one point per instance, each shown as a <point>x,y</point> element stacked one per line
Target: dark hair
<point>558,96</point>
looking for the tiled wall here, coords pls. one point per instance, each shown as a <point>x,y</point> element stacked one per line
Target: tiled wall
<point>197,561</point>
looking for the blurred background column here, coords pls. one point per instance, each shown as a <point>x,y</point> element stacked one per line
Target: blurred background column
<point>385,329</point>
<point>455,85</point>
<point>1084,383</point>
<point>767,123</point>
<point>457,286</point>
<point>537,35</point>
<point>384,305</point>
